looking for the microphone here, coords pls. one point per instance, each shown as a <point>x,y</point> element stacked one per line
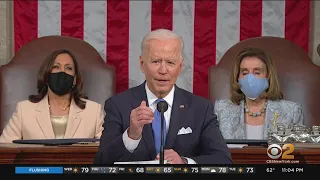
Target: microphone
<point>162,107</point>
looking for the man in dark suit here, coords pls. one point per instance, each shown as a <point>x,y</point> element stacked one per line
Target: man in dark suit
<point>132,122</point>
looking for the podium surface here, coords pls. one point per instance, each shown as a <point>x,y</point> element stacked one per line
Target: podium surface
<point>85,153</point>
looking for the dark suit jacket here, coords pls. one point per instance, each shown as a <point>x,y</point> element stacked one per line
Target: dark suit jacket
<point>205,144</point>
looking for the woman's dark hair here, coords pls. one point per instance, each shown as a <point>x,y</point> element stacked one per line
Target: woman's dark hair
<point>43,74</point>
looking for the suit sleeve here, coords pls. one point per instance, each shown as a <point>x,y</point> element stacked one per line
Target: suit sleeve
<point>99,121</point>
<point>13,130</point>
<point>112,147</point>
<point>214,149</point>
<point>298,116</point>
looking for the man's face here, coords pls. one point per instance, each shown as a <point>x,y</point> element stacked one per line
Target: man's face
<point>162,64</point>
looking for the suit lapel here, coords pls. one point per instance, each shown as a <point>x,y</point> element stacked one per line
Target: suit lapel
<point>178,114</point>
<point>147,135</point>
<point>240,128</point>
<point>43,118</point>
<point>74,120</point>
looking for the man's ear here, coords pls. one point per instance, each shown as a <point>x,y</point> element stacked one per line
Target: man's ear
<point>181,65</point>
<point>141,64</point>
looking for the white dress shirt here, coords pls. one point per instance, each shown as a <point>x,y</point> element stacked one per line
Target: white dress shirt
<point>132,144</point>
<point>254,132</point>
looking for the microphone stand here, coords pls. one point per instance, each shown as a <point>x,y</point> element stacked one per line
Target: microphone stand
<point>162,139</point>
<point>162,107</point>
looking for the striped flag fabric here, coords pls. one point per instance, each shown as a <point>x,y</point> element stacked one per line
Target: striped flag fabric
<point>116,27</point>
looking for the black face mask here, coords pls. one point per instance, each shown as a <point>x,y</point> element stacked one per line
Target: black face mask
<point>60,83</point>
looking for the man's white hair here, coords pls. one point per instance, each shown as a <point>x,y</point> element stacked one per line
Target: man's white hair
<point>160,34</point>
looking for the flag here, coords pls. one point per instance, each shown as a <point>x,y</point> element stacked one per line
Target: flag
<point>209,28</point>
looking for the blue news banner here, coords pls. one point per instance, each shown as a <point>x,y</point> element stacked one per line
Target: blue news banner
<point>39,170</point>
<point>269,169</point>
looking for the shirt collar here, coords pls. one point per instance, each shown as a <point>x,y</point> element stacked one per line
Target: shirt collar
<point>152,98</point>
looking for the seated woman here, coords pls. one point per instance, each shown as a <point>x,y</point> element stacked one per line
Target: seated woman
<point>59,110</point>
<point>256,104</point>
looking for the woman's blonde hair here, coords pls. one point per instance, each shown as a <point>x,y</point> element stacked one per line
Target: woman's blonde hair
<point>272,93</point>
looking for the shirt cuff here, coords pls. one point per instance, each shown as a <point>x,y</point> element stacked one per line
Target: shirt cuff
<point>190,161</point>
<point>129,143</point>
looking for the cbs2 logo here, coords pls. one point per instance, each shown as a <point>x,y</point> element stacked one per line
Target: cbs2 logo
<point>274,151</point>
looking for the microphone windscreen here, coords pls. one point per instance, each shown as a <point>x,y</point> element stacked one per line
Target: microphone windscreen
<point>162,106</point>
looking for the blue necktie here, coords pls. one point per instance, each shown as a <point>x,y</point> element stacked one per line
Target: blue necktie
<point>156,127</point>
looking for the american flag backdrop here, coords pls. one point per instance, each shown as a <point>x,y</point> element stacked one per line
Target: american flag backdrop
<point>116,27</point>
